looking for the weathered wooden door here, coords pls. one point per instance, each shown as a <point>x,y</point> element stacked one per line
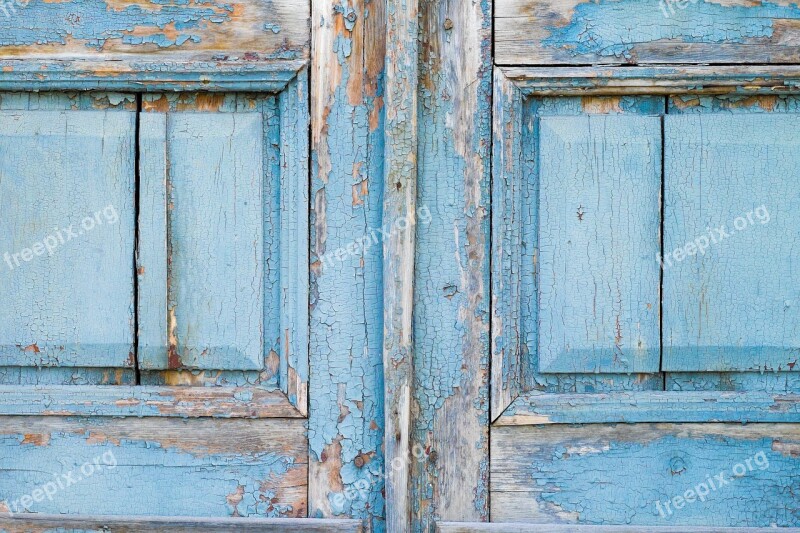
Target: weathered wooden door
<point>154,332</point>
<point>644,282</point>
<point>396,265</point>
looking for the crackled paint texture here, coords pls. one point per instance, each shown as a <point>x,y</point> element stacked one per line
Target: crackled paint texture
<point>451,300</point>
<point>629,31</point>
<point>95,26</point>
<point>616,28</point>
<point>89,230</point>
<point>154,467</point>
<point>346,414</point>
<point>616,474</point>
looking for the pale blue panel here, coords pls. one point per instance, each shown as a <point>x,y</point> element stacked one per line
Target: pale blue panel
<point>67,238</point>
<point>216,275</point>
<point>735,304</point>
<point>600,181</point>
<point>151,254</point>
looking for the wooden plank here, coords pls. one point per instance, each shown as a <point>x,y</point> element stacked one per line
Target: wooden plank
<point>347,133</point>
<point>599,224</point>
<point>292,217</point>
<point>399,214</point>
<point>508,227</point>
<point>153,466</point>
<point>67,191</point>
<point>215,291</point>
<point>152,248</point>
<point>452,306</point>
<point>656,80</point>
<point>95,75</point>
<point>645,406</point>
<point>521,208</point>
<point>463,527</point>
<point>103,38</point>
<point>34,523</point>
<point>22,375</point>
<point>572,32</point>
<point>625,474</point>
<point>730,190</point>
<point>145,401</point>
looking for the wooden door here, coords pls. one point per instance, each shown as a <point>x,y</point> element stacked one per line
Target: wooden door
<point>643,280</point>
<point>154,348</point>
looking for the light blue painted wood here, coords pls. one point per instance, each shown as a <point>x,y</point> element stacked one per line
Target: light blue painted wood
<point>151,253</point>
<point>215,287</point>
<point>67,198</point>
<point>730,186</point>
<point>619,474</point>
<point>292,215</point>
<point>599,223</point>
<point>145,467</point>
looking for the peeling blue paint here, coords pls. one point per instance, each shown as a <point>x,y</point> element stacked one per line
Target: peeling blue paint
<point>615,28</point>
<point>619,482</point>
<point>92,22</point>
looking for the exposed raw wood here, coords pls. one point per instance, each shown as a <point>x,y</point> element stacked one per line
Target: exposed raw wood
<point>185,402</point>
<point>655,80</point>
<point>644,406</point>
<point>347,149</point>
<point>31,523</point>
<point>133,41</point>
<point>573,32</point>
<point>154,466</point>
<point>507,233</point>
<point>399,214</point>
<point>624,474</point>
<point>451,296</point>
<point>507,527</point>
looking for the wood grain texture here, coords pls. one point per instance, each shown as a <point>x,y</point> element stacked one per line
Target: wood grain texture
<point>729,276</point>
<point>507,527</point>
<point>451,295</point>
<point>36,523</point>
<point>292,216</point>
<point>508,187</point>
<point>570,32</point>
<point>615,474</point>
<point>656,80</point>
<point>67,191</point>
<point>347,149</point>
<point>651,406</point>
<point>599,226</point>
<point>145,401</point>
<point>135,42</point>
<point>154,466</point>
<point>400,214</point>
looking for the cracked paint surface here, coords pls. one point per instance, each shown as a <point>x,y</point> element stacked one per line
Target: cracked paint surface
<point>271,30</point>
<point>346,409</point>
<point>616,474</point>
<point>451,328</point>
<point>155,467</point>
<point>615,29</point>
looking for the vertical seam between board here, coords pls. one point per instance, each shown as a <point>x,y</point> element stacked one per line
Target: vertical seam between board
<point>136,240</point>
<point>664,112</point>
